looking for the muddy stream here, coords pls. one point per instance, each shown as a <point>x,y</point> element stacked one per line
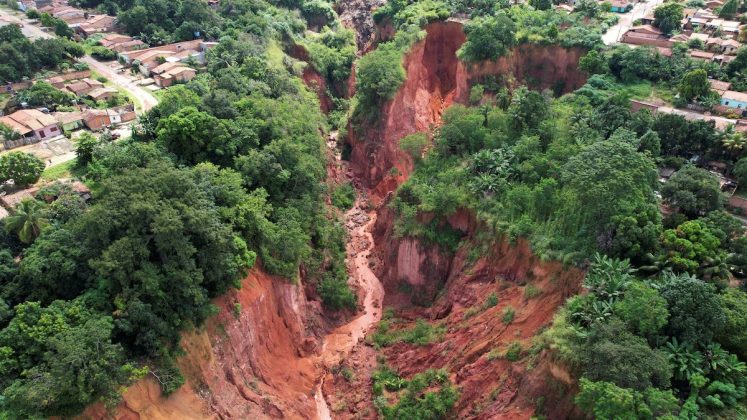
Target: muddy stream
<point>337,344</point>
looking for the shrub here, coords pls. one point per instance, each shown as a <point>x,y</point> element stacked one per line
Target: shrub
<point>508,315</point>
<point>513,353</point>
<point>531,291</point>
<point>343,197</point>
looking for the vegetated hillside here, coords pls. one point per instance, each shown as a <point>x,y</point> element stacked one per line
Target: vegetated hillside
<point>493,205</point>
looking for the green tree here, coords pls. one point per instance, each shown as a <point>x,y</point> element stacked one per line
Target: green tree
<point>643,310</point>
<point>195,136</point>
<point>694,84</point>
<point>728,9</point>
<point>58,359</point>
<point>613,354</point>
<point>740,171</point>
<point>27,220</point>
<point>593,62</point>
<point>691,247</point>
<point>695,312</point>
<point>635,233</point>
<point>161,247</point>
<point>693,191</point>
<point>463,131</point>
<point>62,30</point>
<point>21,168</point>
<point>488,38</point>
<point>414,145</point>
<point>733,334</point>
<point>380,73</point>
<point>84,150</point>
<point>541,4</point>
<point>667,17</point>
<point>606,401</point>
<point>42,94</point>
<point>608,179</point>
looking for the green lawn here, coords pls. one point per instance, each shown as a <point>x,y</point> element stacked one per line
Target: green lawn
<point>62,170</point>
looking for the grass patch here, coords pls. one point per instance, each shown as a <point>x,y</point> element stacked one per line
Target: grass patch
<point>531,291</point>
<point>421,334</point>
<point>512,352</point>
<point>61,170</point>
<point>428,395</point>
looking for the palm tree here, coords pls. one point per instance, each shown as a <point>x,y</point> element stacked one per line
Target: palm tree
<point>27,220</point>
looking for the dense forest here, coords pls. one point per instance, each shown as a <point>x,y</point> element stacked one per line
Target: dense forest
<point>226,171</point>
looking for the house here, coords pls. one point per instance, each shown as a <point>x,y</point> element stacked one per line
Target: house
<point>120,43</point>
<point>150,58</point>
<point>735,100</point>
<point>10,201</point>
<point>96,119</point>
<point>102,94</point>
<point>83,87</point>
<point>730,46</point>
<point>714,4</point>
<point>701,55</point>
<point>167,74</point>
<point>621,6</point>
<point>32,124</point>
<point>69,121</point>
<point>565,7</point>
<point>719,86</point>
<point>126,113</point>
<point>646,35</point>
<point>96,24</point>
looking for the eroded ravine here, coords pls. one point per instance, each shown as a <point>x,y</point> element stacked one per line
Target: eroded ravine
<point>338,343</point>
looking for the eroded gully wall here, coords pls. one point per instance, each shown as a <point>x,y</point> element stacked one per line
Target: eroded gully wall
<point>254,364</point>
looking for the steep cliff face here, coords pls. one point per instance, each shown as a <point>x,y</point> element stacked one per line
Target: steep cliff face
<point>255,359</point>
<point>436,79</point>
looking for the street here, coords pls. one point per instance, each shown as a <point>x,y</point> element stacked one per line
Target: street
<point>30,31</point>
<point>144,98</point>
<point>614,33</point>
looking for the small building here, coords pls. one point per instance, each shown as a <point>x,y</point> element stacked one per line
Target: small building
<point>96,25</point>
<point>719,86</point>
<point>702,55</point>
<point>646,35</point>
<point>32,124</point>
<point>96,119</point>
<point>735,100</point>
<point>102,94</point>
<point>714,4</point>
<point>10,201</point>
<point>83,86</point>
<point>121,43</point>
<point>621,6</point>
<point>730,46</point>
<point>178,74</point>
<point>69,121</point>
<point>114,117</point>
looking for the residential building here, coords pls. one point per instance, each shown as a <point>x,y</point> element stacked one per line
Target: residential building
<point>621,6</point>
<point>646,35</point>
<point>719,86</point>
<point>102,94</point>
<point>96,24</point>
<point>735,100</point>
<point>702,55</point>
<point>96,119</point>
<point>150,58</point>
<point>167,74</point>
<point>32,124</point>
<point>83,86</point>
<point>121,43</point>
<point>69,121</point>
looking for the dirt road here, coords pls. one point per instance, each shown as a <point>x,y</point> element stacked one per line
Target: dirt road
<point>144,99</point>
<point>30,31</point>
<point>614,33</point>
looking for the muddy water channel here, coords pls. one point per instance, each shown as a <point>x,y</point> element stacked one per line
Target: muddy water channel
<point>338,344</point>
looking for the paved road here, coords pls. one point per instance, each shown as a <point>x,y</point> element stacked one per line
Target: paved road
<point>146,99</point>
<point>721,122</point>
<point>614,33</point>
<point>32,32</point>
